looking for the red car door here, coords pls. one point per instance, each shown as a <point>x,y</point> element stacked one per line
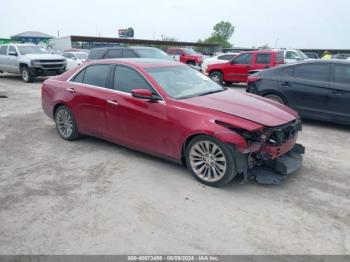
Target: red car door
<point>87,99</point>
<point>141,124</point>
<point>239,67</point>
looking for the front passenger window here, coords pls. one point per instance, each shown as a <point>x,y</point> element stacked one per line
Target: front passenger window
<point>127,79</point>
<point>244,59</point>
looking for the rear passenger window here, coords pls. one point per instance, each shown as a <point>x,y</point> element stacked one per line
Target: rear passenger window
<point>263,59</point>
<point>96,75</point>
<point>3,50</point>
<point>114,53</point>
<point>312,72</point>
<point>244,59</point>
<point>127,79</point>
<point>129,54</point>
<point>342,74</point>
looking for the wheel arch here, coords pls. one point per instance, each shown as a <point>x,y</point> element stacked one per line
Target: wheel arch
<point>228,137</point>
<point>266,92</point>
<point>22,64</point>
<point>216,70</point>
<point>191,61</point>
<point>57,105</point>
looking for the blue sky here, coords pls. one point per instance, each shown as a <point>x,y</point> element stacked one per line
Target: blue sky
<point>285,23</point>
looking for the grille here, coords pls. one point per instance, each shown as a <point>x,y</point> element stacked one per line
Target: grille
<point>51,61</point>
<point>52,66</point>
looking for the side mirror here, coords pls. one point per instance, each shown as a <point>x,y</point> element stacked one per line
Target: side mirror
<point>233,61</point>
<point>143,94</point>
<point>13,53</point>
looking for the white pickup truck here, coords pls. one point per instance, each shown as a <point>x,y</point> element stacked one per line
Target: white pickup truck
<point>30,61</point>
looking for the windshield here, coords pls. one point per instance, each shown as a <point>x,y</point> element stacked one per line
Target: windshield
<point>182,82</point>
<point>24,50</point>
<point>81,55</point>
<point>153,53</point>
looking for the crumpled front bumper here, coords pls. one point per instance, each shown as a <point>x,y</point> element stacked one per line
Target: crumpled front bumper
<point>275,171</point>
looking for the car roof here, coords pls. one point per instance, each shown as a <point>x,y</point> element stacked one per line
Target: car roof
<point>262,51</point>
<point>28,44</point>
<point>312,61</point>
<point>75,52</point>
<point>108,48</point>
<point>140,62</point>
<point>231,53</point>
<point>142,47</point>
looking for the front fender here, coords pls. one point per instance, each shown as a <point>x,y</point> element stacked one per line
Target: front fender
<point>233,138</point>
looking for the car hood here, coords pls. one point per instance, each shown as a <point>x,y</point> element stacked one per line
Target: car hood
<point>43,56</point>
<point>247,106</point>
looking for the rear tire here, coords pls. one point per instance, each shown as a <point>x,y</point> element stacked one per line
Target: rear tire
<point>217,77</point>
<point>210,161</point>
<point>65,123</point>
<point>191,63</point>
<point>275,98</point>
<point>27,76</point>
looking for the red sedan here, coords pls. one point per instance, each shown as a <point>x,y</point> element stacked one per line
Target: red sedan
<point>170,110</point>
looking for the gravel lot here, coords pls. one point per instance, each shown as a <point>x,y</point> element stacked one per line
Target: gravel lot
<point>94,197</point>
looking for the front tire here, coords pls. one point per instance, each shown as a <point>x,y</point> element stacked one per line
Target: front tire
<point>210,161</point>
<point>217,77</point>
<point>65,124</point>
<point>27,76</point>
<point>191,63</point>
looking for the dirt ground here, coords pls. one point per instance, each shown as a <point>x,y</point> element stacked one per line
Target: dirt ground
<point>94,197</point>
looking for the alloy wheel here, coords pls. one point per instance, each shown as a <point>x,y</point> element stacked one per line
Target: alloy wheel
<point>25,75</point>
<point>207,161</point>
<point>216,78</point>
<point>64,123</point>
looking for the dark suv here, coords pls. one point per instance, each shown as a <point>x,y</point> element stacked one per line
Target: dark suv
<point>127,52</point>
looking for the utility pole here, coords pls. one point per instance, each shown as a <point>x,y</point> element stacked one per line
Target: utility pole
<point>276,42</point>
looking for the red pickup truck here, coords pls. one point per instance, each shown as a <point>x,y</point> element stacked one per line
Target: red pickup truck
<point>185,55</point>
<point>237,70</point>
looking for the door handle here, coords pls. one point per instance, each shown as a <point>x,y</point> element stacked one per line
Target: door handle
<point>70,89</point>
<point>112,102</point>
<point>248,66</point>
<point>338,93</point>
<point>286,84</point>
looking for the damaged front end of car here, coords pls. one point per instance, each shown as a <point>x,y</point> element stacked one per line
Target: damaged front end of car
<point>271,153</point>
